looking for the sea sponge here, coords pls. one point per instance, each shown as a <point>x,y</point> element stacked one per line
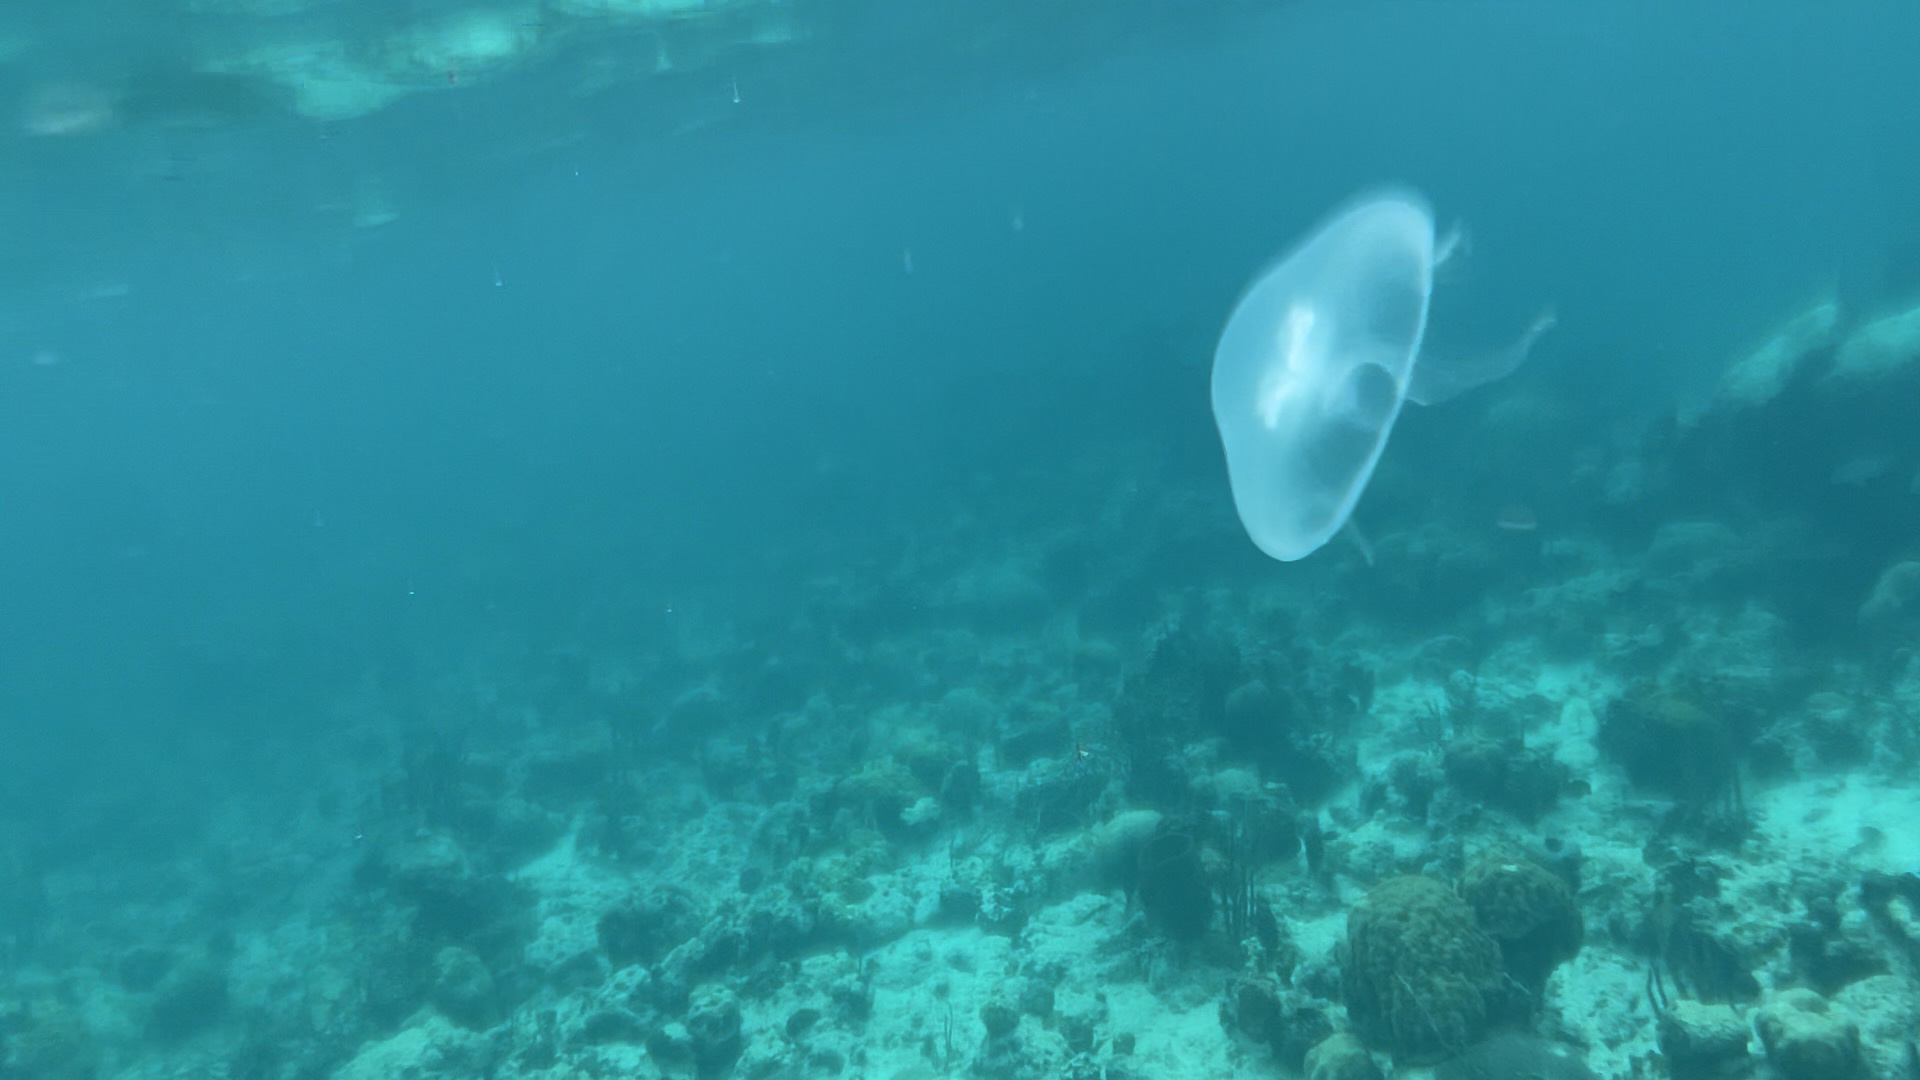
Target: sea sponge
<point>1419,975</point>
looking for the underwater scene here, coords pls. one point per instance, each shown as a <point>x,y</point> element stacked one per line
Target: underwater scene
<point>1004,539</point>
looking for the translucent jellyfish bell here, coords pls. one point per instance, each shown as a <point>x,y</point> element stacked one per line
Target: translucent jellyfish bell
<point>1316,361</point>
<point>1313,366</point>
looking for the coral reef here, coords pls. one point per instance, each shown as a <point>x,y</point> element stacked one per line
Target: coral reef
<point>1603,766</point>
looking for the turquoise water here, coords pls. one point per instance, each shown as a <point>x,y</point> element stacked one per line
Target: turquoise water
<point>535,534</point>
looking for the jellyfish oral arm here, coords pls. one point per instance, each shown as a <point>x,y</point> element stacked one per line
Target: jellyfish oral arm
<point>1440,376</point>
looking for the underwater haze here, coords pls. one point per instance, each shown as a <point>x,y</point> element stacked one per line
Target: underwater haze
<point>687,538</point>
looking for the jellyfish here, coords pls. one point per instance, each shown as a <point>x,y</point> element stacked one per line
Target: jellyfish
<point>1317,359</point>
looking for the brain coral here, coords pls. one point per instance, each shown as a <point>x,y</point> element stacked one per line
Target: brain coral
<point>1417,971</point>
<point>1529,910</point>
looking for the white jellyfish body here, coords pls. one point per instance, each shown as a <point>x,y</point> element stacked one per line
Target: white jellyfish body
<point>1316,361</point>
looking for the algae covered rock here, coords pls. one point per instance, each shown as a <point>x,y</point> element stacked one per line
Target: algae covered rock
<point>1807,1039</point>
<point>1008,1052</point>
<point>1877,353</point>
<point>1760,377</point>
<point>1513,1055</point>
<point>1702,1041</point>
<point>878,795</point>
<point>999,1017</point>
<point>1887,1010</point>
<point>715,1031</point>
<point>191,999</point>
<point>1341,1057</point>
<point>463,988</point>
<point>642,928</point>
<point>1419,975</point>
<point>1895,594</point>
<point>431,1046</point>
<point>1288,1020</point>
<point>48,1038</point>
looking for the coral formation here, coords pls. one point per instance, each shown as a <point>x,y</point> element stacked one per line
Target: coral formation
<point>1420,978</point>
<point>1524,781</point>
<point>1529,910</point>
<point>1671,741</point>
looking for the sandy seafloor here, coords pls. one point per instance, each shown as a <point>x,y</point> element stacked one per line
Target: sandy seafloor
<point>894,839</point>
